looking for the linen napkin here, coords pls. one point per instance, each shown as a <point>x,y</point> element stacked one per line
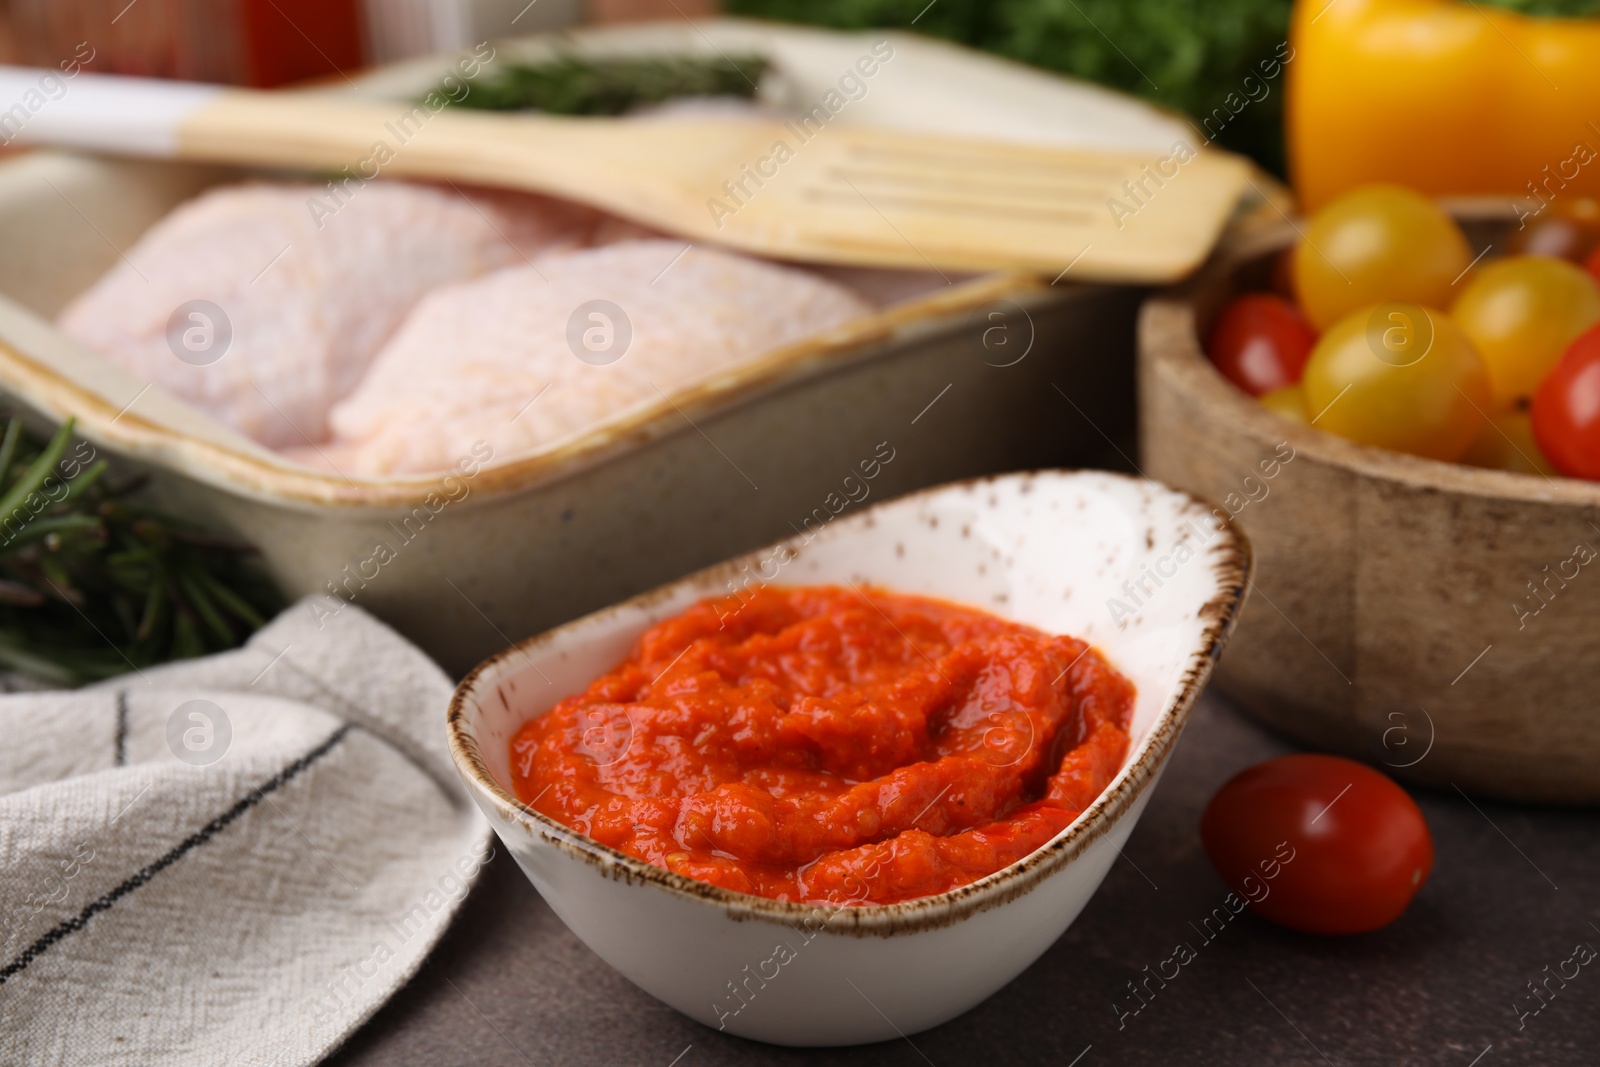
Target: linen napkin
<point>230,860</point>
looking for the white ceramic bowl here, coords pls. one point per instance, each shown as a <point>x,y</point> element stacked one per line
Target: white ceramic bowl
<point>1051,549</point>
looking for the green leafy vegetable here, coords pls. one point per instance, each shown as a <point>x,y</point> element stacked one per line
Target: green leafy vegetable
<point>92,584</point>
<point>573,85</point>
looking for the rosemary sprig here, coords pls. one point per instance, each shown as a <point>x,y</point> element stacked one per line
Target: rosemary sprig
<point>575,85</point>
<point>93,584</point>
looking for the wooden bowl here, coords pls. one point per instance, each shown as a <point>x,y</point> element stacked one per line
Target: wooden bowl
<point>1439,620</point>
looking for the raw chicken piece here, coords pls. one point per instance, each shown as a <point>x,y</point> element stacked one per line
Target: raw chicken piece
<point>495,359</point>
<point>310,292</point>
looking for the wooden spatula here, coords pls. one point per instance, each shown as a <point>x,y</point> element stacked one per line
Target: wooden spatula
<point>807,189</point>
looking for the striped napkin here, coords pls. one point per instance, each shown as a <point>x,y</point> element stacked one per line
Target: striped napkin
<point>229,860</point>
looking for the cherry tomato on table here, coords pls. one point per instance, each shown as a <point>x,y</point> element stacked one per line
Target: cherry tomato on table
<point>1398,376</point>
<point>1566,410</point>
<point>1318,844</point>
<point>1521,313</point>
<point>1377,243</point>
<point>1260,343</point>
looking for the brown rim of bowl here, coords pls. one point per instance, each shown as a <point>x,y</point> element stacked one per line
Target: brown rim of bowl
<point>1169,336</point>
<point>1232,562</point>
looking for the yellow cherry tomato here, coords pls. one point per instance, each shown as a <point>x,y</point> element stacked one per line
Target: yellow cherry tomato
<point>1290,402</point>
<point>1377,243</point>
<point>1521,313</point>
<point>1506,444</point>
<point>1399,376</point>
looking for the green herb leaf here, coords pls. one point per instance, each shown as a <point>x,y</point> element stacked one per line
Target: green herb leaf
<point>92,581</point>
<point>13,515</point>
<point>8,447</point>
<point>39,529</point>
<point>575,85</point>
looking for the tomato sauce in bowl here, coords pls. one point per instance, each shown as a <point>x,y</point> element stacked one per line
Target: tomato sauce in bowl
<point>831,745</point>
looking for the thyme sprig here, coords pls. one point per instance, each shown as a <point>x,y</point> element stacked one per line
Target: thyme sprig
<point>577,85</point>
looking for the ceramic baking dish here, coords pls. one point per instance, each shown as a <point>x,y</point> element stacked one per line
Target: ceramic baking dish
<point>978,375</point>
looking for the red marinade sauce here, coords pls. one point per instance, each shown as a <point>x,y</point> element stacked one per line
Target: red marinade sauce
<point>831,746</point>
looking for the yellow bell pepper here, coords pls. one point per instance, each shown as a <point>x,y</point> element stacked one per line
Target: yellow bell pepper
<point>1445,96</point>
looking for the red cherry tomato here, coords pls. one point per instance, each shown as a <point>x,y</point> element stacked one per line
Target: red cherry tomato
<point>1566,410</point>
<point>1592,264</point>
<point>1260,343</point>
<point>1318,843</point>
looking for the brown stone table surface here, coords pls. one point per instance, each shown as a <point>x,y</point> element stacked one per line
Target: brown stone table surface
<point>1514,889</point>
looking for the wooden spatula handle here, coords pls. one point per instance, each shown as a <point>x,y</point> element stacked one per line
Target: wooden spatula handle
<point>364,138</point>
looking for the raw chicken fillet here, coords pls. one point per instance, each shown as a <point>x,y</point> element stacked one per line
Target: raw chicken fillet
<point>518,358</point>
<point>310,294</point>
